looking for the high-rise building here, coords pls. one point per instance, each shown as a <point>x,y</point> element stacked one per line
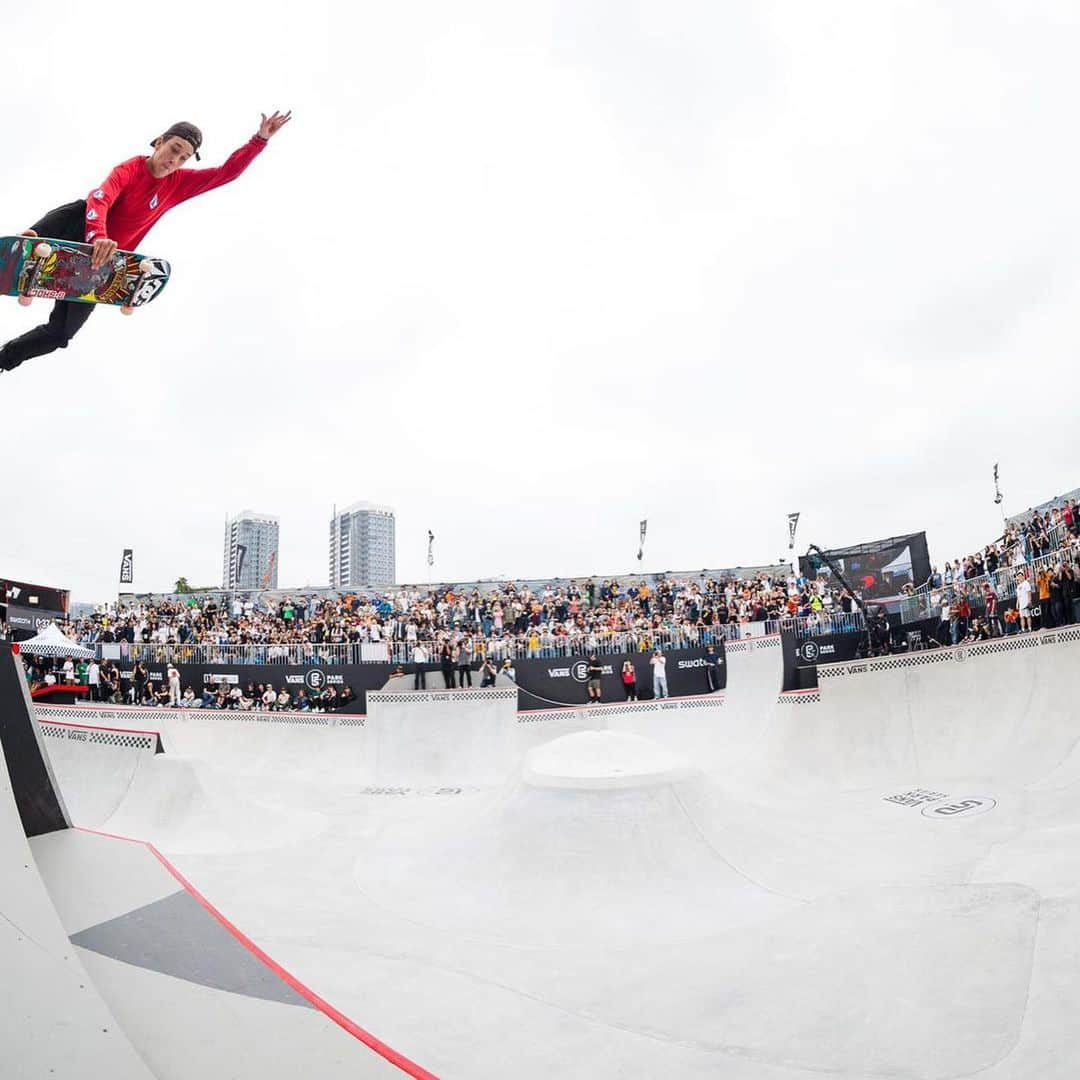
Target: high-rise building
<point>251,552</point>
<point>362,546</point>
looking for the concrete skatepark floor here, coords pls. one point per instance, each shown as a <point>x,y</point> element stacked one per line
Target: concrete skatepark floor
<point>876,880</point>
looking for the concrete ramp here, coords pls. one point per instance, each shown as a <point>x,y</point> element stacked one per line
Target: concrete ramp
<point>53,1022</point>
<point>105,945</point>
<point>455,737</point>
<point>96,765</point>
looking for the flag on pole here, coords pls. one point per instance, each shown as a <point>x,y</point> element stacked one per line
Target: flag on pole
<point>792,524</point>
<point>642,529</point>
<point>430,548</point>
<point>127,567</point>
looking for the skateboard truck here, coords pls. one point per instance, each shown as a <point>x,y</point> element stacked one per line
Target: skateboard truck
<point>148,282</point>
<point>41,251</point>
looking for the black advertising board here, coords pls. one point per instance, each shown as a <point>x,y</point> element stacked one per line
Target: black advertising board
<point>313,679</point>
<point>30,621</point>
<point>562,680</point>
<point>542,683</point>
<point>803,653</point>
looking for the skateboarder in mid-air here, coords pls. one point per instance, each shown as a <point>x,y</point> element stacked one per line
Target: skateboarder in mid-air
<point>118,215</point>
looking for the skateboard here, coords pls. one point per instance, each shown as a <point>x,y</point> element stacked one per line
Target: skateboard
<point>36,266</point>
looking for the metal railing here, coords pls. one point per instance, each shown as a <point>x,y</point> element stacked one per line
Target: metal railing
<point>1003,581</point>
<point>1057,534</point>
<point>814,625</point>
<point>295,655</point>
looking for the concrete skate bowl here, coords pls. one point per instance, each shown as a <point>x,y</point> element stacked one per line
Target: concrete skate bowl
<point>878,879</point>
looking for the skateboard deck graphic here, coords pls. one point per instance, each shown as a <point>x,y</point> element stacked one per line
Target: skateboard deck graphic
<point>37,266</point>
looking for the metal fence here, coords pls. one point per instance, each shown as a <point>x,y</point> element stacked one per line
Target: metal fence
<point>1003,581</point>
<point>401,652</point>
<point>236,655</point>
<point>840,622</point>
<point>1057,534</point>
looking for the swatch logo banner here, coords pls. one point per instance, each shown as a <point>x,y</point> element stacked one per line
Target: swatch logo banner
<point>21,618</point>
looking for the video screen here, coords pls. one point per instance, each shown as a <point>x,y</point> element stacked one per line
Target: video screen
<point>876,571</point>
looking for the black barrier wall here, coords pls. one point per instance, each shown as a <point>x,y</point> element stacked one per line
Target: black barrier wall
<point>313,679</point>
<point>562,681</point>
<point>542,683</point>
<point>801,655</point>
<point>32,783</point>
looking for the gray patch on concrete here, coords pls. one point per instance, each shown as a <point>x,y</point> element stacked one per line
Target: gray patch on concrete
<point>176,936</point>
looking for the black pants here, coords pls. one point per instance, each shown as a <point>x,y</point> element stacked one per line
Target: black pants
<point>68,317</point>
<point>630,690</point>
<point>1057,611</point>
<point>712,678</point>
<point>420,679</point>
<point>464,673</point>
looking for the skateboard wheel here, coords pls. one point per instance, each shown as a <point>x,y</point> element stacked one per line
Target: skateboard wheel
<point>126,309</point>
<point>26,301</point>
<point>146,266</point>
<point>42,251</point>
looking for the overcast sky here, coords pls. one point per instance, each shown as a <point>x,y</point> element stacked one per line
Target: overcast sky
<point>531,272</point>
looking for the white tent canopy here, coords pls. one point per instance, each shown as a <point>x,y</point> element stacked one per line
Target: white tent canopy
<point>900,565</point>
<point>52,642</point>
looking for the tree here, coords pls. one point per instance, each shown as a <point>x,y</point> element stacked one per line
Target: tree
<point>182,585</point>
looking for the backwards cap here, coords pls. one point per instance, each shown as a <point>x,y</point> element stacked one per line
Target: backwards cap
<point>185,131</point>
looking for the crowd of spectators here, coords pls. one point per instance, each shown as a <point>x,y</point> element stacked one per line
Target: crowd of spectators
<point>1055,528</point>
<point>108,684</point>
<point>1036,562</point>
<point>507,620</point>
<point>562,618</point>
<point>1045,599</point>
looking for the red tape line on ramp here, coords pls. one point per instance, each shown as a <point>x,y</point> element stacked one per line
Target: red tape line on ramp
<point>339,1018</point>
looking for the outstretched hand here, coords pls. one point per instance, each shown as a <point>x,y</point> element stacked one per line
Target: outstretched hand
<point>271,125</point>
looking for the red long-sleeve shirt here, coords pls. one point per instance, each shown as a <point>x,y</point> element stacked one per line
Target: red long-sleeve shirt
<point>131,199</point>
